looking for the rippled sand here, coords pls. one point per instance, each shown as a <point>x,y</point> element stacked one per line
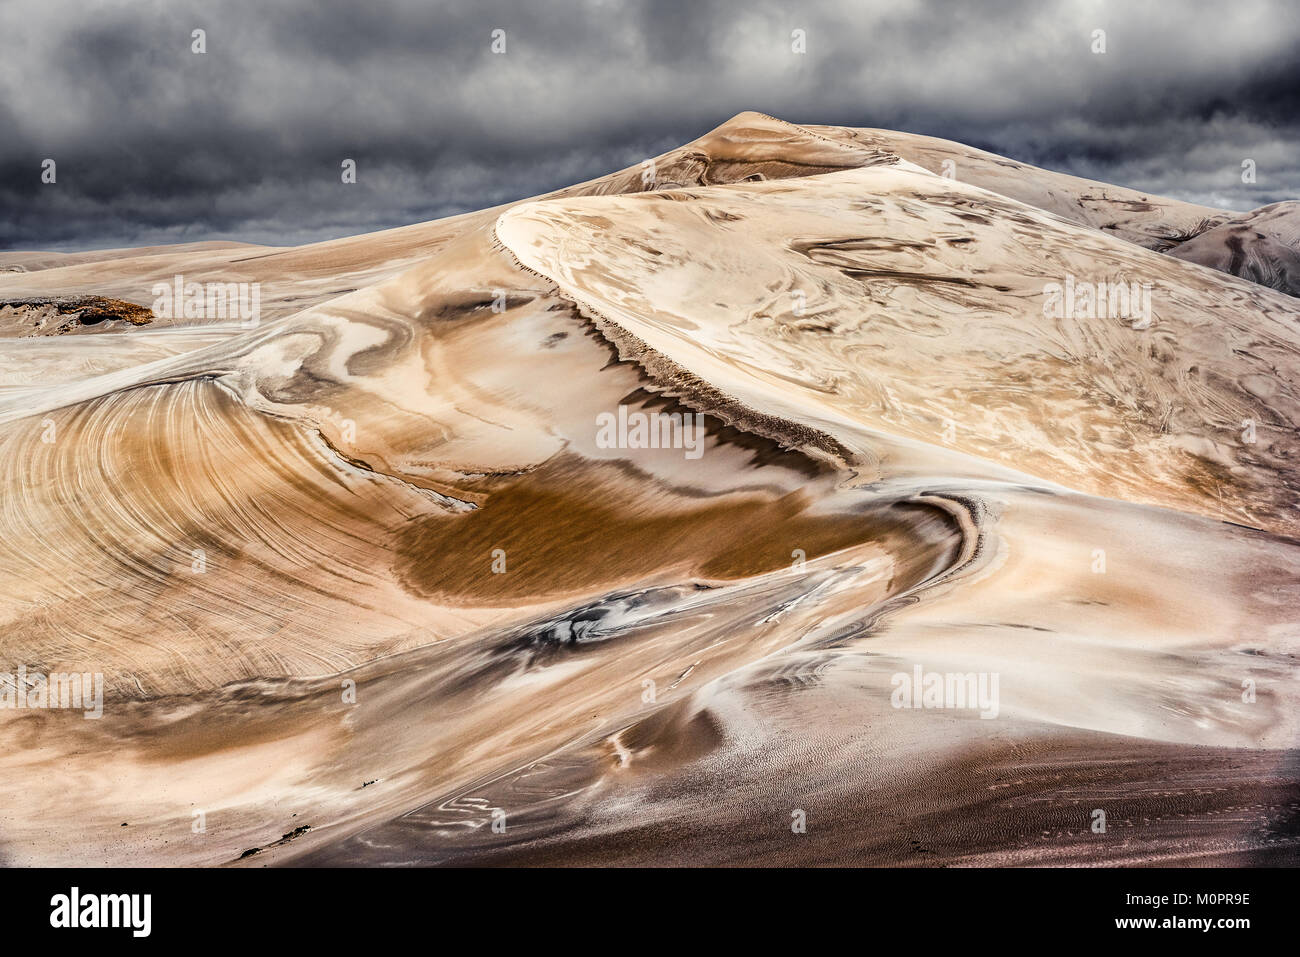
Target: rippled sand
<point>366,587</point>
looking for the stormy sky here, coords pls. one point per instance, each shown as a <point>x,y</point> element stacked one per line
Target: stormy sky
<point>155,143</point>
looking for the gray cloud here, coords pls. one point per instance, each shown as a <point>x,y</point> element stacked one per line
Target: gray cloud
<point>157,144</point>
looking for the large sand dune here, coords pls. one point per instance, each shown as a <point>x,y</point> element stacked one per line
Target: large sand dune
<point>367,583</point>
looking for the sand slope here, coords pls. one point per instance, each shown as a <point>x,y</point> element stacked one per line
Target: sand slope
<point>365,581</point>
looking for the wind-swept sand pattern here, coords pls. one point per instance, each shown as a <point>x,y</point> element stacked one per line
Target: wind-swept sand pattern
<point>368,584</point>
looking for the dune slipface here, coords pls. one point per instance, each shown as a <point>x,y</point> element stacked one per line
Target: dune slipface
<point>784,500</point>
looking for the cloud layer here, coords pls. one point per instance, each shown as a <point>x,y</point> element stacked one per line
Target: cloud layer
<point>155,143</point>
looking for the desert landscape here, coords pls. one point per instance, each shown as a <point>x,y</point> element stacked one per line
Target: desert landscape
<point>628,524</point>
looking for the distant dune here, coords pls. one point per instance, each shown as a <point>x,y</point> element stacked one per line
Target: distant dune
<point>1262,246</point>
<point>615,526</point>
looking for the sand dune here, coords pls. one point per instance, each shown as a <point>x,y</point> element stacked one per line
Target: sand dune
<point>923,306</point>
<point>369,584</point>
<point>1155,222</point>
<point>1260,246</point>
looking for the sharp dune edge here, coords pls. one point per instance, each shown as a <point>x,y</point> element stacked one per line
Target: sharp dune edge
<point>908,462</point>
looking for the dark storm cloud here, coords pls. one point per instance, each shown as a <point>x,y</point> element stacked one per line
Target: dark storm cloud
<point>157,144</point>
